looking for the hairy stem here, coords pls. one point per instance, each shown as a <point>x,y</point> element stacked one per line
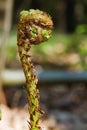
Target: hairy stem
<point>34,27</point>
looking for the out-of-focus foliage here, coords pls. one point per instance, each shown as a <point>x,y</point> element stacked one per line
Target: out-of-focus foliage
<point>60,45</point>
<point>81,29</point>
<point>61,50</point>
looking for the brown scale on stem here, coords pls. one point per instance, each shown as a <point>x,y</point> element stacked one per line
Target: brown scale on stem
<point>34,27</point>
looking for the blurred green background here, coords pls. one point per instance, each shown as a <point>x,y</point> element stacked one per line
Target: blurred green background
<point>67,48</point>
<point>66,51</point>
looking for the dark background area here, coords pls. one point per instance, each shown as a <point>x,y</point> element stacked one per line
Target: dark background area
<point>66,14</point>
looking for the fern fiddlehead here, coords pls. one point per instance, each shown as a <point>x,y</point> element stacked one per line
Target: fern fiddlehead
<point>34,27</point>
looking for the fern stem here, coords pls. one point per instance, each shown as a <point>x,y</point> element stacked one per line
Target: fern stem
<point>34,27</point>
